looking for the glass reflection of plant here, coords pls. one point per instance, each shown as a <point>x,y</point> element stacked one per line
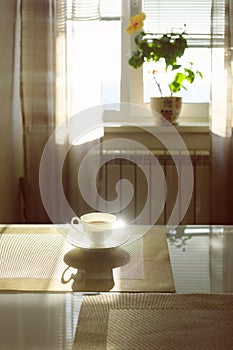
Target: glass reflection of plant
<point>178,238</point>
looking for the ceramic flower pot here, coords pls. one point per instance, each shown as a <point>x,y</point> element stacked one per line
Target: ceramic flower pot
<point>169,107</point>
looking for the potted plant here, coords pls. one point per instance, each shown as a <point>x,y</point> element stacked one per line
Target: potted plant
<point>164,50</point>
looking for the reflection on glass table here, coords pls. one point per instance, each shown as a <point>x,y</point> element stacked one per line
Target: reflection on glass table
<point>201,258</point>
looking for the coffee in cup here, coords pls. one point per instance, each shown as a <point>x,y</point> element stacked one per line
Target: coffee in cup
<point>98,227</point>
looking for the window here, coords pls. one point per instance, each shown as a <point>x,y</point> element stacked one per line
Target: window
<point>163,16</point>
<point>100,60</point>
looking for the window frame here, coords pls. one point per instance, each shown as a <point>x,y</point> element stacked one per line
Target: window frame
<point>132,79</point>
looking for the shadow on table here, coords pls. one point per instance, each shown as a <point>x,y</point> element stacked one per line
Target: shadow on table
<point>94,268</point>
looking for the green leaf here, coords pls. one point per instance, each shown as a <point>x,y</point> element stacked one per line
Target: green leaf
<point>200,74</point>
<point>176,66</point>
<point>136,60</point>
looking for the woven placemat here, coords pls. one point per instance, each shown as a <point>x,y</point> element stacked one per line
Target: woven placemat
<point>155,321</point>
<point>38,258</point>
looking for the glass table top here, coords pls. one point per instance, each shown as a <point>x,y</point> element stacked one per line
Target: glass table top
<point>201,260</point>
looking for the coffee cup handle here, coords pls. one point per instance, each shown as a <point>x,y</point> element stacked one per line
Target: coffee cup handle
<point>75,220</point>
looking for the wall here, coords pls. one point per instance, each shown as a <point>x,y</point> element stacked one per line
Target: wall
<point>10,139</point>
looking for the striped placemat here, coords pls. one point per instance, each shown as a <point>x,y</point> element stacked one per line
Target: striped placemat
<point>39,258</point>
<point>155,321</point>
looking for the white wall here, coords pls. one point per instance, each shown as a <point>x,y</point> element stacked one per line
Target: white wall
<point>10,119</point>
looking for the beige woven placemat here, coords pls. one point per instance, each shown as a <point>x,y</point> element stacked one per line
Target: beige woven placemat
<point>155,321</point>
<point>38,258</point>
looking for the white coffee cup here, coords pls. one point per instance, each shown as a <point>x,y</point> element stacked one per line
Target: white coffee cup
<point>97,227</point>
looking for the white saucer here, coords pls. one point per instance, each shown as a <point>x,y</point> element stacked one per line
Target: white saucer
<point>77,238</point>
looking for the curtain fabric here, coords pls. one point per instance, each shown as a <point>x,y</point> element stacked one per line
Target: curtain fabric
<point>11,150</point>
<point>37,96</point>
<point>221,113</point>
<point>72,122</point>
<point>46,100</point>
<point>84,9</point>
<point>222,67</point>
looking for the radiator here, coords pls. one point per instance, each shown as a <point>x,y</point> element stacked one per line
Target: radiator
<point>113,170</point>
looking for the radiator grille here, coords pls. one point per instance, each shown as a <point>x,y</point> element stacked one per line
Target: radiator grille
<point>117,168</point>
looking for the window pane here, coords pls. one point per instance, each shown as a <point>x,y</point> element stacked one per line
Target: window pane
<point>198,92</point>
<point>96,63</point>
<point>194,17</point>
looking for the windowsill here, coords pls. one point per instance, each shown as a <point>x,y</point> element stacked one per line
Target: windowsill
<point>192,127</point>
<point>188,121</point>
<point>138,124</point>
<point>195,134</point>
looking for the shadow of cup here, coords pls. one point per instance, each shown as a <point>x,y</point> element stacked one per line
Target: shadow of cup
<point>94,268</point>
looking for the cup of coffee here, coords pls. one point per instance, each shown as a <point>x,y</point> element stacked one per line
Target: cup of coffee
<point>98,227</point>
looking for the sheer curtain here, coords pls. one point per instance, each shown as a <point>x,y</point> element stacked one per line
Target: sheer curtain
<point>222,112</point>
<point>46,100</point>
<point>37,96</point>
<point>222,67</point>
<point>67,13</point>
<point>11,151</point>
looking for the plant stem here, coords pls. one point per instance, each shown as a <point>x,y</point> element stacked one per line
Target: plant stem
<point>158,86</point>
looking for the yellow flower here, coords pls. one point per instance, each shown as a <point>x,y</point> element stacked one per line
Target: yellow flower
<point>136,23</point>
